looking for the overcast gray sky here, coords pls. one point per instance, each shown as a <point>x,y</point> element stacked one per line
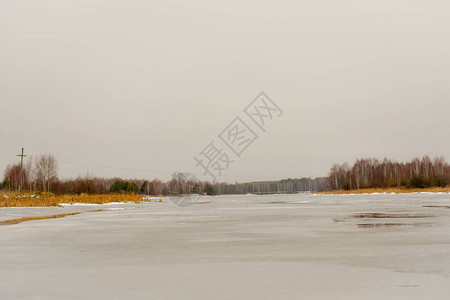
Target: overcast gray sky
<point>146,85</point>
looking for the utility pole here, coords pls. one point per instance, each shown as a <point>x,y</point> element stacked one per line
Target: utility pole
<point>21,167</point>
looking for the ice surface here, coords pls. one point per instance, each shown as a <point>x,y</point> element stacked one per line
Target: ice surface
<point>233,247</point>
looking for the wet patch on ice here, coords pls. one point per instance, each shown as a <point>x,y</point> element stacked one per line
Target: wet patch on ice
<point>409,285</point>
<point>400,220</point>
<point>286,202</point>
<point>438,206</point>
<point>389,216</point>
<point>387,225</point>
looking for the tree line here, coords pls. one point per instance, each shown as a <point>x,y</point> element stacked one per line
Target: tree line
<point>40,174</point>
<point>290,185</point>
<point>372,173</point>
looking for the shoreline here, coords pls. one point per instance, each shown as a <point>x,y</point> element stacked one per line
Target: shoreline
<point>387,191</point>
<point>47,199</point>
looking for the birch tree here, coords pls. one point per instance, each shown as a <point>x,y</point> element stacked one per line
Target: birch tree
<point>46,169</point>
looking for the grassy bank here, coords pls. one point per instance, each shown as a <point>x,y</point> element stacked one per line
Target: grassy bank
<point>24,200</point>
<point>387,190</point>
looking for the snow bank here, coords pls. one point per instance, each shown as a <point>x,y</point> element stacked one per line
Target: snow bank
<point>78,204</point>
<point>92,204</point>
<point>384,193</point>
<point>109,203</point>
<point>151,198</point>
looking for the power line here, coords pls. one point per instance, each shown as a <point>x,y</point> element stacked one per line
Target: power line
<point>161,171</point>
<point>113,167</point>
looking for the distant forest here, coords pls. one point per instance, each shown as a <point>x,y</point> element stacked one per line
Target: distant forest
<point>372,173</point>
<point>40,174</point>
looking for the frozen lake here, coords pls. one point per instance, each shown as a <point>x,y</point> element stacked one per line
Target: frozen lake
<point>233,247</point>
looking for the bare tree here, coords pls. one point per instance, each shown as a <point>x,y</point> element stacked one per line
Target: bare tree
<point>369,173</point>
<point>46,170</point>
<point>12,176</point>
<point>29,174</point>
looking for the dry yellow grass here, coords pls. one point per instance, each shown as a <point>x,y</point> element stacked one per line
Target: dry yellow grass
<point>387,190</point>
<point>17,221</point>
<point>46,199</point>
<point>20,220</point>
